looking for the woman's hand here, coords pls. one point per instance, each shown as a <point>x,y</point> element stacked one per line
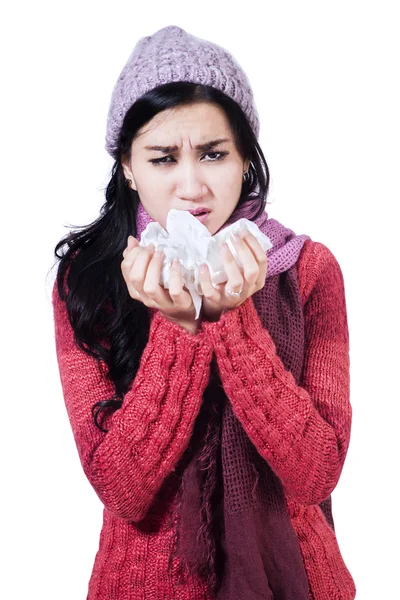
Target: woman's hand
<point>141,269</point>
<point>254,261</point>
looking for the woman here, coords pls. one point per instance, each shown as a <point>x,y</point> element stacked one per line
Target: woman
<point>213,443</point>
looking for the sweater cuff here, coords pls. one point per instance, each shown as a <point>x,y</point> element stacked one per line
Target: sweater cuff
<point>176,331</point>
<point>238,325</point>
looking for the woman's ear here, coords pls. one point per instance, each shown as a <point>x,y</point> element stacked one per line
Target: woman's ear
<point>128,175</point>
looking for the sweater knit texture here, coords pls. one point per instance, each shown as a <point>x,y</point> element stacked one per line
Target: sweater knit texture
<point>256,554</point>
<point>302,429</point>
<point>234,529</point>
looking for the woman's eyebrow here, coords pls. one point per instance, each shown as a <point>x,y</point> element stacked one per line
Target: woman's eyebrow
<point>206,146</point>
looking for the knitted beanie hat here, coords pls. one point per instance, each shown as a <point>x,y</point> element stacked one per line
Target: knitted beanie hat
<point>172,54</point>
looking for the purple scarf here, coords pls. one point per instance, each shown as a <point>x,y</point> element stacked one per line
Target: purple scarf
<point>234,529</point>
<point>286,246</point>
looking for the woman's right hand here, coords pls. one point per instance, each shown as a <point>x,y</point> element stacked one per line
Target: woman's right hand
<point>141,269</point>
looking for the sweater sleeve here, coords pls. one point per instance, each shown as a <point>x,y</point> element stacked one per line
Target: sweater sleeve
<point>148,434</point>
<point>302,431</point>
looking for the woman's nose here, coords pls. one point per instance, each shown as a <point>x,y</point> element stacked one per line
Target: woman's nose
<point>190,184</point>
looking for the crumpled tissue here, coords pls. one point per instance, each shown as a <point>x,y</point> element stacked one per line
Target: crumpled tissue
<point>190,241</point>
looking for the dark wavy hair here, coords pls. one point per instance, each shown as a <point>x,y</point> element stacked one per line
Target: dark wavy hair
<point>108,324</point>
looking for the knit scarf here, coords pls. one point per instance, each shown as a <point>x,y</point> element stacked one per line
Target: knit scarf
<point>234,528</point>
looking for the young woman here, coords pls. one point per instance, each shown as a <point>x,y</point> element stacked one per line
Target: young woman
<point>213,443</point>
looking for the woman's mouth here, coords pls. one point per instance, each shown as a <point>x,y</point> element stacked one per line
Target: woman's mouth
<point>201,213</point>
<point>202,217</point>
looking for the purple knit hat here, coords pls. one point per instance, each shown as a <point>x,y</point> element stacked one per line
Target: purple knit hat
<point>172,54</point>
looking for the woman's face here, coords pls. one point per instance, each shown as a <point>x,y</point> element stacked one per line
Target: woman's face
<point>182,175</point>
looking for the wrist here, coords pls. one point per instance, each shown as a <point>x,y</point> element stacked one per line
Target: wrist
<point>189,325</point>
<point>212,316</point>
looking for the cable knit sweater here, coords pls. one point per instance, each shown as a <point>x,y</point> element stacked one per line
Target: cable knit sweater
<point>303,432</point>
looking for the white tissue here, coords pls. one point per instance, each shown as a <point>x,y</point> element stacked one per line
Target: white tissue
<point>190,241</point>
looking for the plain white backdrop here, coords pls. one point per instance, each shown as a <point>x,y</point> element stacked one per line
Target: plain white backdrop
<point>325,77</point>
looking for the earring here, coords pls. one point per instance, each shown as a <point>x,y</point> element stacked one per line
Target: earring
<point>128,182</point>
<point>246,176</point>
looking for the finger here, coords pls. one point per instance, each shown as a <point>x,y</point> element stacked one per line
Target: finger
<point>209,291</point>
<point>248,260</point>
<point>179,296</point>
<point>255,247</point>
<point>235,280</point>
<point>175,279</point>
<point>134,293</point>
<point>130,257</point>
<point>137,274</point>
<point>152,289</point>
<point>132,243</point>
<point>260,256</point>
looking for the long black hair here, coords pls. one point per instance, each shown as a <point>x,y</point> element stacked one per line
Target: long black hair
<point>108,324</point>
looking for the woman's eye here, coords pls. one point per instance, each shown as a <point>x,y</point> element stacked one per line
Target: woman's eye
<point>159,161</point>
<point>163,160</point>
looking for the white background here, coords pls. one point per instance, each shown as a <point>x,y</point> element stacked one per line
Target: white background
<point>325,77</point>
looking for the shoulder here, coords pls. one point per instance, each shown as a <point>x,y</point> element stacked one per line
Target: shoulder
<point>62,326</point>
<point>316,262</point>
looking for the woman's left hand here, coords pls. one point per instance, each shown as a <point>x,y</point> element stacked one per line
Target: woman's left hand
<point>254,260</point>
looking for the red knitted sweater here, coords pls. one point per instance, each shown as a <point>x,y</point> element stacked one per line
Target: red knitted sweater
<point>303,432</point>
